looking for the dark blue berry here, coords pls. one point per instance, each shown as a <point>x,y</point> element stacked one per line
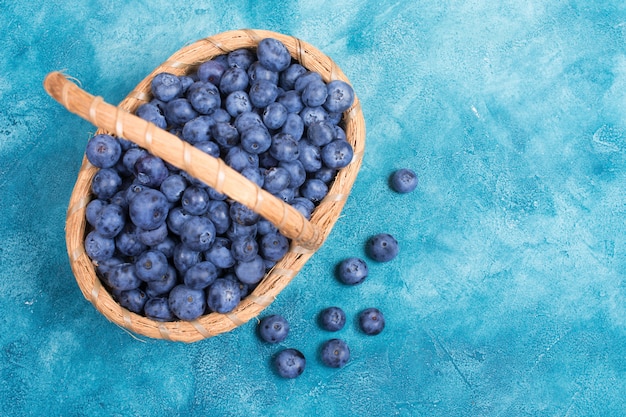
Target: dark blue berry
<point>273,328</point>
<point>382,247</point>
<point>332,319</point>
<point>289,363</point>
<point>186,303</point>
<point>371,321</point>
<point>273,54</point>
<point>403,181</point>
<point>103,151</point>
<point>352,271</point>
<point>223,295</point>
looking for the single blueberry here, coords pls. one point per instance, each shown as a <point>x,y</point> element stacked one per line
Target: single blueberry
<point>133,300</point>
<point>211,71</point>
<point>106,183</point>
<point>335,353</point>
<point>403,181</point>
<point>197,233</point>
<point>284,147</point>
<point>198,129</point>
<point>294,125</point>
<point>223,295</point>
<point>340,96</point>
<point>184,258</point>
<point>292,100</point>
<point>371,321</point>
<point>382,247</point>
<point>195,200</point>
<point>123,277</point>
<point>151,265</point>
<point>337,154</point>
<point>165,86</point>
<point>352,271</point>
<point>332,319</point>
<point>314,189</point>
<point>256,140</point>
<point>148,209</point>
<point>289,363</point>
<point>275,115</point>
<point>273,328</point>
<point>203,97</point>
<point>287,78</point>
<point>150,170</point>
<point>273,54</point>
<point>98,247</point>
<point>220,254</point>
<point>273,246</point>
<point>250,272</point>
<point>152,113</point>
<point>238,102</point>
<point>179,111</point>
<point>233,79</point>
<point>153,237</point>
<point>110,220</point>
<point>158,309</point>
<point>173,187</point>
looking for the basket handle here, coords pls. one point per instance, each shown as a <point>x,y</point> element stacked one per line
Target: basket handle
<point>183,155</point>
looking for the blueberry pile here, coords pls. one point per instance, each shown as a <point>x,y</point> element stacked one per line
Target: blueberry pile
<point>170,247</point>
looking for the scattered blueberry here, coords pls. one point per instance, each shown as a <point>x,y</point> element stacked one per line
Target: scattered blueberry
<point>382,247</point>
<point>403,181</point>
<point>332,319</point>
<point>371,321</point>
<point>335,353</point>
<point>352,271</point>
<point>273,328</point>
<point>289,363</point>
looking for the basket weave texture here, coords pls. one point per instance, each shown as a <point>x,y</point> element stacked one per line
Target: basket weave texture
<point>306,236</point>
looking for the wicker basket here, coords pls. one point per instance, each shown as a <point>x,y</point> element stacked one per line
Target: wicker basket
<point>306,236</point>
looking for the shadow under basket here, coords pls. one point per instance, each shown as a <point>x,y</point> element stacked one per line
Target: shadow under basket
<point>306,236</point>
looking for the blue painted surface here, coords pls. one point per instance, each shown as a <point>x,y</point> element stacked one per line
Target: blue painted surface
<point>509,294</point>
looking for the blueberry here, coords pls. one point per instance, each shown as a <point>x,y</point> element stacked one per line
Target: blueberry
<point>211,71</point>
<point>297,173</point>
<point>273,328</point>
<point>321,133</point>
<point>304,206</point>
<point>223,295</point>
<point>158,309</point>
<point>179,111</point>
<point>244,248</point>
<point>221,115</point>
<point>273,246</point>
<point>371,321</point>
<point>166,246</point>
<point>242,214</point>
<point>315,93</point>
<point>294,125</point>
<point>236,231</point>
<point>127,241</point>
<point>98,247</point>
<point>184,258</point>
<point>197,233</point>
<point>286,194</point>
<point>164,284</point>
<point>256,72</point>
<point>219,213</point>
<point>292,100</point>
<point>273,54</point>
<point>150,170</point>
<point>262,93</point>
<point>247,120</point>
<point>166,86</point>
<point>310,156</point>
<point>103,151</point>
<point>240,58</point>
<point>314,189</point>
<point>275,179</point>
<point>148,209</point>
<point>239,159</point>
<point>204,97</point>
<point>288,77</point>
<point>187,303</point>
<point>233,79</point>
<point>198,129</point>
<point>150,112</point>
<point>173,187</point>
<point>151,265</point>
<point>254,175</point>
<point>110,220</point>
<point>340,96</point>
<point>332,319</point>
<point>284,147</point>
<point>225,134</point>
<point>238,102</point>
<point>220,254</point>
<point>250,272</point>
<point>106,183</point>
<point>195,200</point>
<point>337,154</point>
<point>304,79</point>
<point>176,218</point>
<point>382,247</point>
<point>208,147</point>
<point>289,363</point>
<point>352,271</point>
<point>325,174</point>
<point>123,277</point>
<point>93,209</point>
<point>265,227</point>
<point>133,190</point>
<point>256,140</point>
<point>313,114</point>
<point>403,181</point>
<point>131,156</point>
<point>186,81</point>
<point>267,161</point>
<point>275,115</point>
<point>335,353</point>
<point>153,237</point>
<point>133,300</point>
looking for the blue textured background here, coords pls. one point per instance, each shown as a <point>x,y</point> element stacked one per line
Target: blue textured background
<point>509,295</point>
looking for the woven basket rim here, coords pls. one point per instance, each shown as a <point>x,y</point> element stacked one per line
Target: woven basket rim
<point>324,217</point>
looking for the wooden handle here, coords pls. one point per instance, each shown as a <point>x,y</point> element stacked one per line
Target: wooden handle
<point>212,171</point>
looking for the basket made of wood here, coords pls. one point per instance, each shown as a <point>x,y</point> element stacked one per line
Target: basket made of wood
<point>306,235</point>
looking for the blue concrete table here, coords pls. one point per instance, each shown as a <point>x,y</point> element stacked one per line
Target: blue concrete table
<point>508,297</point>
